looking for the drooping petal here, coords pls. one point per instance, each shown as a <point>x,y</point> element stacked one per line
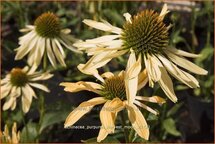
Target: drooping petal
<point>109,112</point>
<point>131,77</point>
<point>179,74</point>
<point>102,26</point>
<point>82,109</point>
<point>184,63</point>
<point>138,121</point>
<point>153,99</point>
<point>183,53</point>
<point>58,54</point>
<point>142,79</point>
<point>79,86</point>
<point>102,134</point>
<point>50,53</point>
<point>26,100</point>
<point>146,107</point>
<point>40,86</point>
<point>167,86</point>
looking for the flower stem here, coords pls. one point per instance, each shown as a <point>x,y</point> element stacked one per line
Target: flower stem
<point>123,122</point>
<point>25,124</point>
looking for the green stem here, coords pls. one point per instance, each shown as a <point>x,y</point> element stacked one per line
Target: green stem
<point>123,122</point>
<point>25,124</point>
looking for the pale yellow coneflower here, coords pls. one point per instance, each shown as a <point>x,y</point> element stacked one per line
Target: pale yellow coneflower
<point>147,35</point>
<point>45,37</point>
<point>19,82</point>
<point>11,138</point>
<point>117,92</point>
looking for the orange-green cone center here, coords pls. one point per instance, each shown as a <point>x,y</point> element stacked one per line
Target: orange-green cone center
<point>146,34</point>
<point>18,77</point>
<point>47,25</point>
<point>114,87</point>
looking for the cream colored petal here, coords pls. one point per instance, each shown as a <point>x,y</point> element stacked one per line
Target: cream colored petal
<point>146,107</point>
<point>66,31</point>
<point>40,86</point>
<point>32,69</point>
<point>13,106</point>
<point>102,134</point>
<point>164,11</point>
<point>5,90</point>
<point>183,53</point>
<point>50,53</point>
<point>106,117</point>
<point>8,103</point>
<point>41,76</point>
<point>127,17</point>
<point>131,77</point>
<point>184,63</point>
<point>106,38</point>
<point>102,26</point>
<point>142,79</point>
<point>64,40</point>
<point>138,121</point>
<point>179,74</point>
<point>107,75</point>
<point>57,53</point>
<point>109,112</point>
<point>151,83</point>
<point>167,86</point>
<point>154,65</point>
<point>24,49</point>
<point>26,100</point>
<point>81,110</point>
<point>75,87</point>
<point>153,99</point>
<point>15,135</point>
<point>60,48</point>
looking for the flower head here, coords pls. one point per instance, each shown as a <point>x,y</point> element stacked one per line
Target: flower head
<point>45,38</point>
<point>117,92</point>
<point>6,137</point>
<point>18,83</point>
<point>146,35</point>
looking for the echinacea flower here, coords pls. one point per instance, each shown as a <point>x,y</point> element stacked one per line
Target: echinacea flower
<point>147,35</point>
<point>11,138</point>
<point>117,92</point>
<point>45,38</point>
<point>19,82</point>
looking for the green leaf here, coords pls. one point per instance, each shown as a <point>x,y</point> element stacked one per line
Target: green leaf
<point>52,118</point>
<point>206,53</point>
<point>29,133</point>
<point>108,139</point>
<point>174,109</point>
<point>170,127</point>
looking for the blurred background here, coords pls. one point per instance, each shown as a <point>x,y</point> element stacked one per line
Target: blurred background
<point>189,120</point>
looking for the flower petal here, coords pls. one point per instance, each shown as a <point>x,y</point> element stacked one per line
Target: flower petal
<point>153,99</point>
<point>146,107</point>
<point>102,134</point>
<point>40,86</point>
<point>81,110</point>
<point>184,63</point>
<point>183,53</point>
<point>142,79</point>
<point>102,26</point>
<point>79,86</point>
<point>127,17</point>
<point>138,121</point>
<point>167,86</point>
